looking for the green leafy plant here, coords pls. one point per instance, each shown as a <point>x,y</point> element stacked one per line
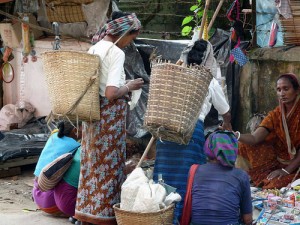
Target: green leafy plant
<point>191,21</point>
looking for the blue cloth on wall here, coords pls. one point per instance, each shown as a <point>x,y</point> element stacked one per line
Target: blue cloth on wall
<point>265,14</point>
<point>239,56</point>
<point>54,148</point>
<point>173,161</point>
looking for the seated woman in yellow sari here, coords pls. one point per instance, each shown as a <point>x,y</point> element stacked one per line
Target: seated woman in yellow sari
<point>273,149</point>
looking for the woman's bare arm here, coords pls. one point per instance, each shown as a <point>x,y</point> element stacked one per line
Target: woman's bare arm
<point>294,164</point>
<point>226,125</point>
<point>257,137</point>
<point>247,218</point>
<point>112,92</point>
<point>291,168</point>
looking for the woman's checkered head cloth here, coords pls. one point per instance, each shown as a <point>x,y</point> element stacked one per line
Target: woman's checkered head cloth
<point>118,27</point>
<point>223,146</point>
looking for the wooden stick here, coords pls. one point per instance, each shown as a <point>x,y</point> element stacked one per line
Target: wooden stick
<point>215,15</point>
<point>254,22</point>
<point>146,151</point>
<point>207,2</point>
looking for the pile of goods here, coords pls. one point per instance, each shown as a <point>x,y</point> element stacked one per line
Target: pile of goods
<point>277,206</point>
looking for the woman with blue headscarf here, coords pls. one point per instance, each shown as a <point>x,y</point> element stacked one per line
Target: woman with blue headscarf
<point>220,193</point>
<point>103,142</point>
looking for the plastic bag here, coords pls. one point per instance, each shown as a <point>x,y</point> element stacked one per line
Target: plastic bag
<point>95,14</point>
<point>130,188</point>
<point>273,34</point>
<point>149,198</point>
<point>139,194</point>
<point>266,13</point>
<point>26,6</point>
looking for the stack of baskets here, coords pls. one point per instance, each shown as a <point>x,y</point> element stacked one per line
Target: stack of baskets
<point>162,217</point>
<point>73,84</point>
<point>175,98</point>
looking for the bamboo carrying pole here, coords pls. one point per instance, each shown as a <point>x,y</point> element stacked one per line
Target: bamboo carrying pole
<point>146,151</point>
<point>215,15</point>
<point>204,18</point>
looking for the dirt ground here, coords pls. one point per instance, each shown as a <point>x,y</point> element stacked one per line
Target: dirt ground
<point>16,205</point>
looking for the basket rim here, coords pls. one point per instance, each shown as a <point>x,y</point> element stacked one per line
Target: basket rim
<point>117,207</point>
<point>69,51</point>
<point>196,67</point>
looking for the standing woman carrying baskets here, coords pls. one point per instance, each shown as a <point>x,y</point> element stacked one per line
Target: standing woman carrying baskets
<point>173,160</point>
<point>103,142</point>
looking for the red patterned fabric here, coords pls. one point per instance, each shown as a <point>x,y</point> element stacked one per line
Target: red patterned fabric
<point>263,158</point>
<point>102,164</point>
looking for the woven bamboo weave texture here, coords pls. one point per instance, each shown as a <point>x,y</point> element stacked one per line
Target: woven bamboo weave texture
<point>162,217</point>
<point>68,74</point>
<point>66,13</point>
<point>175,98</point>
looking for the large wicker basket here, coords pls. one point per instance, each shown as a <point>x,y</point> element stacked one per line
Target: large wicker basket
<point>175,98</point>
<point>162,217</point>
<point>73,84</point>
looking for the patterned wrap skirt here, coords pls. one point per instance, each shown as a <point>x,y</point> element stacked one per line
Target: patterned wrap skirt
<point>173,162</point>
<point>102,164</point>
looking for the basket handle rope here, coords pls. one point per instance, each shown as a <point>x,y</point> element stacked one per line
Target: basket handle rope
<point>76,103</point>
<point>126,32</point>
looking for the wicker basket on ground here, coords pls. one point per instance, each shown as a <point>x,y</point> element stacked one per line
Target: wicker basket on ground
<point>162,217</point>
<point>175,98</point>
<point>73,83</point>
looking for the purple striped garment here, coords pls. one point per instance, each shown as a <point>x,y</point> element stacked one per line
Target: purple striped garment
<point>223,146</point>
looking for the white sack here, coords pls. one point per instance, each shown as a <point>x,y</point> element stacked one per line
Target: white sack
<point>149,197</point>
<point>171,198</point>
<point>130,188</point>
<point>16,114</point>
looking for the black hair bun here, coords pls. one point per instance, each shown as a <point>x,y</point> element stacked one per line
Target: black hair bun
<point>61,129</point>
<point>64,129</point>
<point>196,54</point>
<point>200,45</point>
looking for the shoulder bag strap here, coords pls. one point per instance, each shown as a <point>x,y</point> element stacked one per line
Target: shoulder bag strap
<point>187,207</point>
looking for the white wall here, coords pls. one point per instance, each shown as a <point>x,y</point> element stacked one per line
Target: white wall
<point>35,91</point>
